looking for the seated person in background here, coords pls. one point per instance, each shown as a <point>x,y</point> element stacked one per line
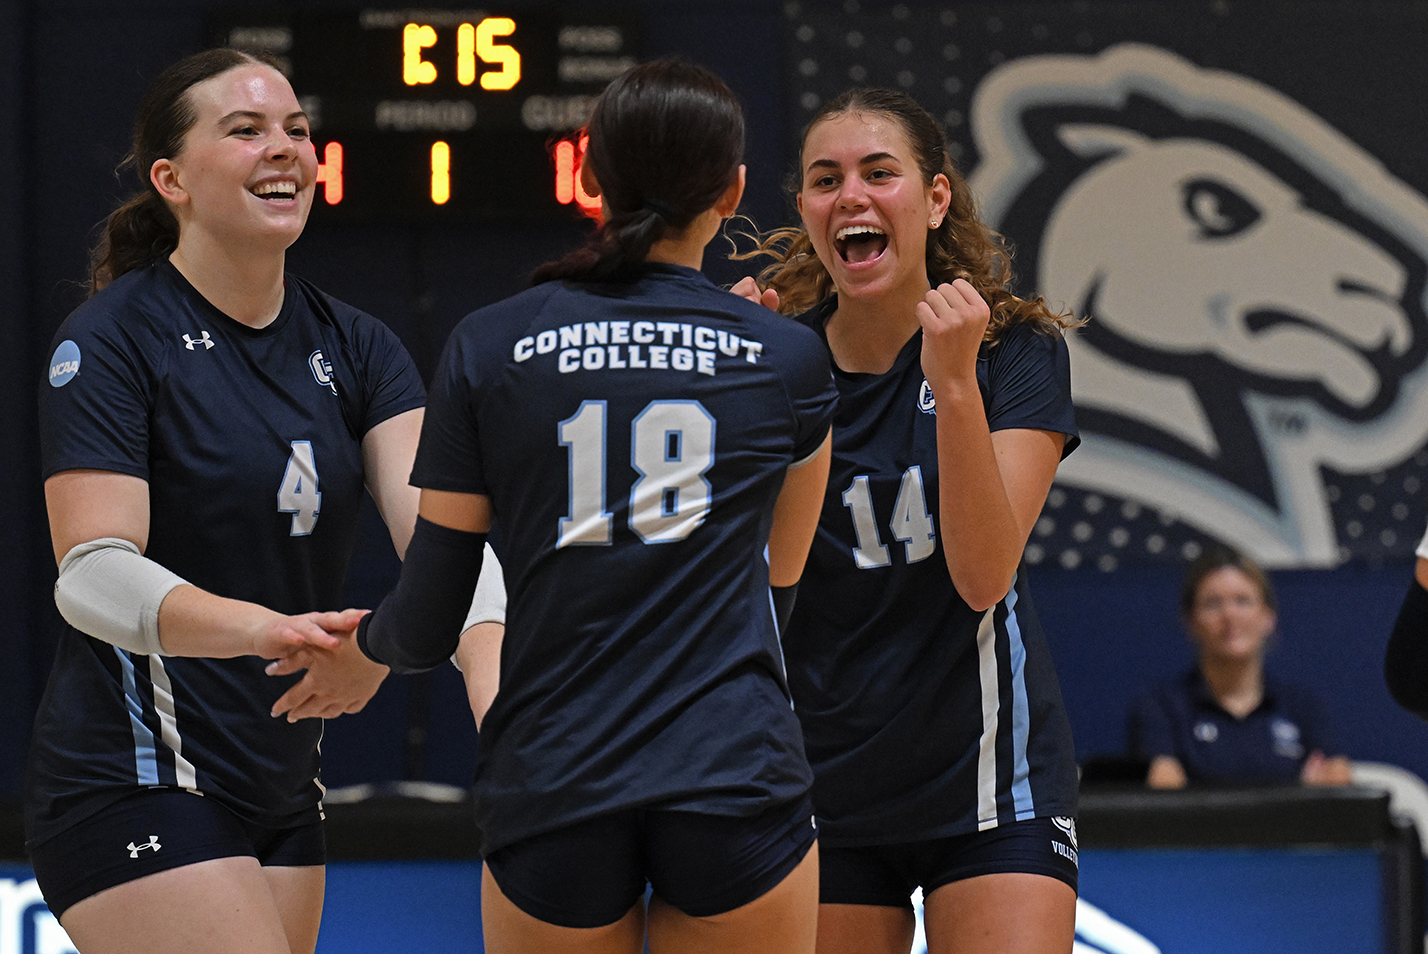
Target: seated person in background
<point>1405,666</point>
<point>1225,721</point>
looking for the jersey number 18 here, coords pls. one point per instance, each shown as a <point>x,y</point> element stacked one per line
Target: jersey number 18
<point>671,448</point>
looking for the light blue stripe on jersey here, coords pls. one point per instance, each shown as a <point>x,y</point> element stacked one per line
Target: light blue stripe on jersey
<point>1021,715</point>
<point>146,762</point>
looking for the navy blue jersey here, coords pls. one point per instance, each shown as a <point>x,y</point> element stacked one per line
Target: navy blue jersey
<point>250,442</point>
<point>1183,719</point>
<point>923,718</point>
<point>632,439</point>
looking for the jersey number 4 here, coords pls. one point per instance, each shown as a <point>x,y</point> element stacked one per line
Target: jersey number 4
<point>297,494</point>
<point>671,448</point>
<point>911,523</point>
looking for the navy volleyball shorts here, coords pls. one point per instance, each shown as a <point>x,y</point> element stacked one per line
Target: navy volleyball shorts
<point>592,873</point>
<point>886,875</point>
<point>157,829</point>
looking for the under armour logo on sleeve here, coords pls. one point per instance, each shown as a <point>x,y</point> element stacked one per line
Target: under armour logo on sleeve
<point>204,340</point>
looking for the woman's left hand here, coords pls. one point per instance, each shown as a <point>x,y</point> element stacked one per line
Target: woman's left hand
<point>337,681</point>
<point>954,318</point>
<point>1321,769</point>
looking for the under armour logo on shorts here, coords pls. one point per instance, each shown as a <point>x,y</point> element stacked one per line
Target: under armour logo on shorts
<point>153,843</point>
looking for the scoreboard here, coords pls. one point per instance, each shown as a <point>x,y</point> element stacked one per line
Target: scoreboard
<point>440,114</point>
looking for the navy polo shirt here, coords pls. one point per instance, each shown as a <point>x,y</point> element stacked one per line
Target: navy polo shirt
<point>1182,719</point>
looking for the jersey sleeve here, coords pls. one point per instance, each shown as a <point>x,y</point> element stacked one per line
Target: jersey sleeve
<point>1149,728</point>
<point>1029,384</point>
<point>449,456</point>
<point>811,391</point>
<point>391,383</point>
<point>95,402</point>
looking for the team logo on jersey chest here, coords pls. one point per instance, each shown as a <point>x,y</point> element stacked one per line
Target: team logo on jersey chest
<point>1286,739</point>
<point>322,370</point>
<point>203,339</point>
<point>65,364</point>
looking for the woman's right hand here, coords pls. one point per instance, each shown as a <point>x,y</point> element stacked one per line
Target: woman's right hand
<point>339,680</point>
<point>746,287</point>
<point>287,637</point>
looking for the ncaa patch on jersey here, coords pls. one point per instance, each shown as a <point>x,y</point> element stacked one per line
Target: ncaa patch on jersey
<point>65,364</point>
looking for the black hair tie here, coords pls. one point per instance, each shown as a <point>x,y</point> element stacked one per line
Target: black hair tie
<point>662,209</point>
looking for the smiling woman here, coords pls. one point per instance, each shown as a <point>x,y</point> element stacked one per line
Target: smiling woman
<point>208,427</point>
<point>1226,721</point>
<point>942,757</point>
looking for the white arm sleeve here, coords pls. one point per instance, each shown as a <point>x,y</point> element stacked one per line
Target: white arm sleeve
<point>1423,546</point>
<point>111,591</point>
<point>488,603</point>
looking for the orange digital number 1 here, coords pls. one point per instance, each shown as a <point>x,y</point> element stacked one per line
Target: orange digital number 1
<point>568,156</point>
<point>440,173</point>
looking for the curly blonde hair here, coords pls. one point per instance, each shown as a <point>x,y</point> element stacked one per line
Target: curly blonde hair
<point>962,246</point>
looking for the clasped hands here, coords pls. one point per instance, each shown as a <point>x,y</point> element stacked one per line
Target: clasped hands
<point>338,679</point>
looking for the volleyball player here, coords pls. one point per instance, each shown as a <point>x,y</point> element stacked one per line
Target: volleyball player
<point>640,436</point>
<point>941,752</point>
<point>207,426</point>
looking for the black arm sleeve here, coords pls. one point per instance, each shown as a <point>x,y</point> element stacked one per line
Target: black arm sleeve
<point>418,625</point>
<point>1405,665</point>
<point>783,597</point>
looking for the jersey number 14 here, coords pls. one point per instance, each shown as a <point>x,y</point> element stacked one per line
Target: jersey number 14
<point>911,523</point>
<point>671,448</point>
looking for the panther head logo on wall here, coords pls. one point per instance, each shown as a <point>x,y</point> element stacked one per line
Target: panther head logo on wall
<point>1254,284</point>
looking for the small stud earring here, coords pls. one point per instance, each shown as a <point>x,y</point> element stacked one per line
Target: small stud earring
<point>935,223</point>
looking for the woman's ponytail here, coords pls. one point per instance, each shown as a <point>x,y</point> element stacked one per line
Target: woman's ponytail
<point>666,141</point>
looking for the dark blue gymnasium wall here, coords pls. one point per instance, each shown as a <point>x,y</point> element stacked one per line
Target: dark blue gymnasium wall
<point>71,72</point>
<point>20,536</point>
